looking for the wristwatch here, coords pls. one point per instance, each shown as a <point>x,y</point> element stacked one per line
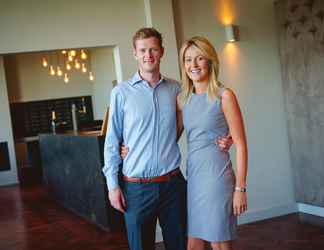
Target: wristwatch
<point>240,189</point>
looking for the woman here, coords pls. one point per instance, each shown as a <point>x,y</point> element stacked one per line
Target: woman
<point>210,111</point>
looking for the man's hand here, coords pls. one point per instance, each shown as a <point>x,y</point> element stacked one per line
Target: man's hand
<point>117,199</point>
<point>123,151</point>
<point>224,142</point>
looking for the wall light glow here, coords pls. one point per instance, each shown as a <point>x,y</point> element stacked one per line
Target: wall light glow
<point>225,11</point>
<point>231,57</point>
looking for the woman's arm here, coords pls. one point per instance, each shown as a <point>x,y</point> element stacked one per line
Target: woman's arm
<point>234,119</point>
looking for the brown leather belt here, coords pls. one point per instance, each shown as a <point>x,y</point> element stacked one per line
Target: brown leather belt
<point>162,178</point>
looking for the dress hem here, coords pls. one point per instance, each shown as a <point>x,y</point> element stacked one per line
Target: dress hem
<point>212,240</point>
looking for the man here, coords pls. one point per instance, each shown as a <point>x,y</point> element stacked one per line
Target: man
<point>143,116</point>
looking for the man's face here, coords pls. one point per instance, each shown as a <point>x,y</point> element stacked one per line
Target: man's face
<point>148,54</point>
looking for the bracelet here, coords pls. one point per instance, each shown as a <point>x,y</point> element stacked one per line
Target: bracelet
<point>240,189</point>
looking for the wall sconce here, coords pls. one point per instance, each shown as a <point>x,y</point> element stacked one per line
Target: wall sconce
<point>232,33</point>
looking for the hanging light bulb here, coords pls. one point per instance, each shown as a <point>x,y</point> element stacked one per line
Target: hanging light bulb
<point>67,60</point>
<point>68,66</point>
<point>91,76</point>
<point>84,69</point>
<point>77,64</point>
<point>59,71</point>
<point>66,79</point>
<point>73,53</point>
<point>52,71</point>
<point>83,55</point>
<point>44,62</point>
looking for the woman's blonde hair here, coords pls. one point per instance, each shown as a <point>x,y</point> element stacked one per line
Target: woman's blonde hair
<point>208,51</point>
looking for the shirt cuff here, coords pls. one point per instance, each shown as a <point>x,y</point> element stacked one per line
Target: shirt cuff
<point>112,182</point>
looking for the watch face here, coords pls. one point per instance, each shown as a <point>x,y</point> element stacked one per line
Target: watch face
<point>240,189</point>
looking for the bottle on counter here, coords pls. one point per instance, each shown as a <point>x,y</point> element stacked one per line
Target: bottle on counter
<point>74,118</point>
<point>84,107</point>
<point>53,122</point>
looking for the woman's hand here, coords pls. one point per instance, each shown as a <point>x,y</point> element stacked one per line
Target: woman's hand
<point>123,151</point>
<point>239,203</point>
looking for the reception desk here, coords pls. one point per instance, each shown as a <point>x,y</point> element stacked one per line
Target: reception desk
<point>72,166</point>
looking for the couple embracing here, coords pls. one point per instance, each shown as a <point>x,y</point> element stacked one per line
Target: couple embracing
<point>148,113</point>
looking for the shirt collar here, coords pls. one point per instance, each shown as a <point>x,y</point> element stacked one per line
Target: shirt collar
<point>136,78</point>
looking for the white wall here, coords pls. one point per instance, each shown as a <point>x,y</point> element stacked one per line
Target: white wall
<point>10,176</point>
<point>104,67</point>
<point>251,68</point>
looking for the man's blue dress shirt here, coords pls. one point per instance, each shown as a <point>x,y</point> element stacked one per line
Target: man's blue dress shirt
<point>144,119</point>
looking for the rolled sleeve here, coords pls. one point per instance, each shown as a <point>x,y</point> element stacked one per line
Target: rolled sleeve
<point>113,139</point>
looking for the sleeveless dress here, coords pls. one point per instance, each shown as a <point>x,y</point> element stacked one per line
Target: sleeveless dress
<point>210,176</point>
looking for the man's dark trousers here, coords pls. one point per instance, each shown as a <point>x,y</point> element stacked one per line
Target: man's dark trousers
<point>147,202</point>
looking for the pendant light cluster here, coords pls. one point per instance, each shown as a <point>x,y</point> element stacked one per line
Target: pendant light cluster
<point>61,63</point>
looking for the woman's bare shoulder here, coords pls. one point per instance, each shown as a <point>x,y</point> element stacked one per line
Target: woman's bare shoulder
<point>228,95</point>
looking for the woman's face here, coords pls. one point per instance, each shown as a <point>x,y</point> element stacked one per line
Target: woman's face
<point>196,65</point>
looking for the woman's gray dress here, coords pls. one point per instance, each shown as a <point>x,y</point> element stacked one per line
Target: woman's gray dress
<point>211,179</point>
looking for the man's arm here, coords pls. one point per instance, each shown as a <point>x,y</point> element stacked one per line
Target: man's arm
<point>111,150</point>
<point>179,119</point>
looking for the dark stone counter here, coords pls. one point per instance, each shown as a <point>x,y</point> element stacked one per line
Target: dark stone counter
<point>72,172</point>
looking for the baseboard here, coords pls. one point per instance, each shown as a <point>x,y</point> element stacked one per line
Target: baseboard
<point>262,214</point>
<point>267,213</point>
<point>254,215</point>
<point>310,209</point>
<point>8,181</point>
